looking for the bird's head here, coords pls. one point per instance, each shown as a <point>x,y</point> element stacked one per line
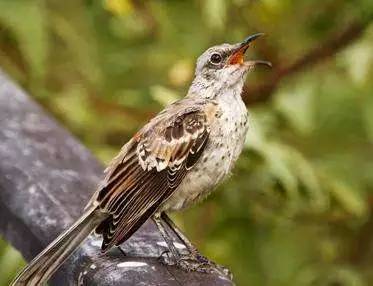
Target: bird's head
<point>225,65</point>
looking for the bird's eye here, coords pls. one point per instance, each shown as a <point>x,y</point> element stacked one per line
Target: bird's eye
<point>216,58</point>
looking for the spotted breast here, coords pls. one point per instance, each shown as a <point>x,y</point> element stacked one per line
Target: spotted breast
<point>226,140</point>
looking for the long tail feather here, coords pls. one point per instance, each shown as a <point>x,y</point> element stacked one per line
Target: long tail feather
<point>41,268</point>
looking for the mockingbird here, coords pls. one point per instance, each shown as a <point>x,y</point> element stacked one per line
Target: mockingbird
<point>174,161</point>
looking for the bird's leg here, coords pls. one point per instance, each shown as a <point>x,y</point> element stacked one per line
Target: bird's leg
<point>195,261</point>
<point>186,262</point>
<point>192,249</point>
<point>167,238</point>
<point>122,251</point>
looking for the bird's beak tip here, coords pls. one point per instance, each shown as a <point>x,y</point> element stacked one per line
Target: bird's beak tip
<point>251,38</point>
<point>237,56</point>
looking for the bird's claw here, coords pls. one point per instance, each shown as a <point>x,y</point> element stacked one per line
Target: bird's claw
<point>194,263</point>
<point>166,258</point>
<point>207,266</point>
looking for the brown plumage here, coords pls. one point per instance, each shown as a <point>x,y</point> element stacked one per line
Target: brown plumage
<point>151,166</point>
<point>172,162</point>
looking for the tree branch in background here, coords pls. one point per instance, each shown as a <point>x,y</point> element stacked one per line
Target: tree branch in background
<point>362,248</point>
<point>263,92</point>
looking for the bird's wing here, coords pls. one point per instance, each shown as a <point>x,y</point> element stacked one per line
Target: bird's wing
<point>151,166</point>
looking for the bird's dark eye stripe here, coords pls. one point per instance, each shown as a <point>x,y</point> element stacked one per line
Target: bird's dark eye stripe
<point>215,58</point>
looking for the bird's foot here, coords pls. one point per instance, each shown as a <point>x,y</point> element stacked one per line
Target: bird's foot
<point>195,262</point>
<point>166,258</point>
<point>203,264</point>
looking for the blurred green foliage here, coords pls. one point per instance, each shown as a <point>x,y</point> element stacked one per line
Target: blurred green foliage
<point>298,208</point>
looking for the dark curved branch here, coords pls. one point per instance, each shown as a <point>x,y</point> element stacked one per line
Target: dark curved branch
<point>263,92</point>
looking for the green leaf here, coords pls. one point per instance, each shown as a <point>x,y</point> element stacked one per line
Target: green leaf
<point>297,106</point>
<point>348,198</point>
<point>11,262</point>
<point>163,95</point>
<point>215,11</point>
<point>308,179</point>
<point>26,19</point>
<point>367,115</point>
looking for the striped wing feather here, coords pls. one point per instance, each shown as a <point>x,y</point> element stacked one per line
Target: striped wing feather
<point>150,167</point>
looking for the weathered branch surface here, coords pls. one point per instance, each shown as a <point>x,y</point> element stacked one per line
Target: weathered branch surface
<point>46,178</point>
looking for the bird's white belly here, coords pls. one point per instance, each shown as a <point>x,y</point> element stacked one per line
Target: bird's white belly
<point>225,144</point>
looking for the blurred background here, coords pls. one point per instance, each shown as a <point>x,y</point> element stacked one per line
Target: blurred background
<point>298,208</point>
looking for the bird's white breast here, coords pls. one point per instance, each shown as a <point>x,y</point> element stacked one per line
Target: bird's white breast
<point>225,144</point>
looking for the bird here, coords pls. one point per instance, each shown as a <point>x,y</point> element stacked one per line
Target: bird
<point>173,162</point>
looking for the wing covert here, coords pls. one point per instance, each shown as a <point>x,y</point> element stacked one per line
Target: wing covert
<point>151,167</point>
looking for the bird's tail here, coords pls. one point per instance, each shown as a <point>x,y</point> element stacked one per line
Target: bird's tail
<point>41,268</point>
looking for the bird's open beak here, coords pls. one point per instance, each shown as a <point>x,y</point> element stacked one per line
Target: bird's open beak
<point>238,55</point>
